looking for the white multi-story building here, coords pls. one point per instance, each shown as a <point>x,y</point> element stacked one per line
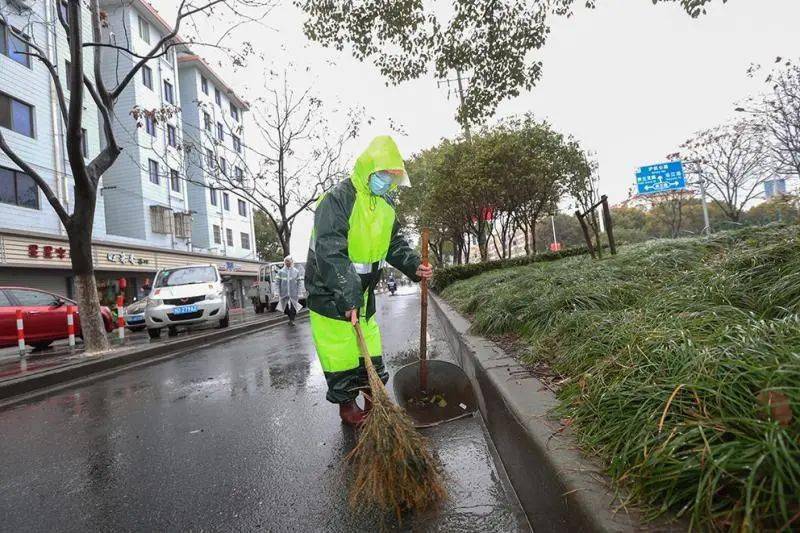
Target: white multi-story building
<point>145,191</point>
<point>144,216</point>
<point>213,123</point>
<point>32,125</point>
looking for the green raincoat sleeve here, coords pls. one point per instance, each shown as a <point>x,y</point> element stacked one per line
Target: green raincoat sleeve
<point>333,262</point>
<point>401,255</point>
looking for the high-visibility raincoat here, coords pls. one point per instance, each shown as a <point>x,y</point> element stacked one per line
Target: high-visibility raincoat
<point>355,232</point>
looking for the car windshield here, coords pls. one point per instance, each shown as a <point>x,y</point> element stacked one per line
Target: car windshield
<point>186,276</point>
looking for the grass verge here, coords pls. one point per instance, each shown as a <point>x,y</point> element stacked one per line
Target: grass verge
<point>678,364</point>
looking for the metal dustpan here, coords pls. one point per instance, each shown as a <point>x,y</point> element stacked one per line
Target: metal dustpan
<point>448,396</point>
<point>432,391</point>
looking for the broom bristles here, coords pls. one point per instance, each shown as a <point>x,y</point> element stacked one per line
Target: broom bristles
<point>394,469</point>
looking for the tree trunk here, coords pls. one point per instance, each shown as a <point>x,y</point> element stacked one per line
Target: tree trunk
<point>92,327</point>
<point>533,236</point>
<point>596,231</point>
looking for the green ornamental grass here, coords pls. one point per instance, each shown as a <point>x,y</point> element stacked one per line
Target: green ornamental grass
<point>680,367</point>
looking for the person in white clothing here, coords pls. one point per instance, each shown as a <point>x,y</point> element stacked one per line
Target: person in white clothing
<point>288,289</point>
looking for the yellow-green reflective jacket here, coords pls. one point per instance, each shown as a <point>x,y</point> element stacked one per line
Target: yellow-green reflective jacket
<point>354,233</point>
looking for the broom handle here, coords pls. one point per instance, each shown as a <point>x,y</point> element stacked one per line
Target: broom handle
<point>423,321</point>
<point>362,345</point>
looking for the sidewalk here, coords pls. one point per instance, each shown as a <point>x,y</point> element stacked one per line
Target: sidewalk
<point>12,366</point>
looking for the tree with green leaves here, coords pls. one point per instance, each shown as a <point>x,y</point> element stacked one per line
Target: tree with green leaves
<point>268,245</point>
<point>493,42</point>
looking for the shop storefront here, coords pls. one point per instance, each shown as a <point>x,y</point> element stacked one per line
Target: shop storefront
<point>42,262</point>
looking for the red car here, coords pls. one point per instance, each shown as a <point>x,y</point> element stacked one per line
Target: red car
<point>44,316</point>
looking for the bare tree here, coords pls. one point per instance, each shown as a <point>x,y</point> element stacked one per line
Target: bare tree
<point>298,158</point>
<point>732,161</point>
<point>668,209</point>
<point>778,113</point>
<point>84,77</point>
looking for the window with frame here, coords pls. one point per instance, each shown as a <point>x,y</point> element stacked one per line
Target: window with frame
<point>234,112</point>
<point>33,298</point>
<point>239,173</point>
<point>217,97</point>
<point>172,136</point>
<point>169,52</point>
<point>150,125</point>
<point>226,201</point>
<point>84,143</point>
<point>169,93</point>
<point>242,208</point>
<point>212,193</point>
<point>229,236</point>
<point>220,131</point>
<point>207,121</point>
<point>16,115</point>
<point>144,30</point>
<point>223,166</point>
<point>147,77</point>
<point>13,47</point>
<point>245,240</point>
<point>209,158</point>
<point>204,85</point>
<point>183,225</point>
<point>174,180</point>
<point>63,10</point>
<point>67,75</point>
<point>217,234</point>
<point>152,169</point>
<point>160,219</point>
<point>237,143</point>
<point>18,188</point>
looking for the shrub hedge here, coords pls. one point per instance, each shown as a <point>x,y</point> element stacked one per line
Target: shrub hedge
<point>446,276</point>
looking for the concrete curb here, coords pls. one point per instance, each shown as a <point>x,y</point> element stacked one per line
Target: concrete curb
<point>559,488</point>
<point>65,375</point>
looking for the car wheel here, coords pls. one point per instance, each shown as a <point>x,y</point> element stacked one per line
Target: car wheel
<point>226,320</point>
<point>172,331</point>
<point>154,333</point>
<point>41,345</point>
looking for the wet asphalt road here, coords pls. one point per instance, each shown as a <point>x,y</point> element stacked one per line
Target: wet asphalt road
<point>236,437</point>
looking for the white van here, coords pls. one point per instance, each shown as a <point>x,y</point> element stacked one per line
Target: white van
<point>265,292</point>
<point>186,295</point>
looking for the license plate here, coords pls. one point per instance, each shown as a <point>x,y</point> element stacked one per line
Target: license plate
<point>134,318</point>
<point>184,309</point>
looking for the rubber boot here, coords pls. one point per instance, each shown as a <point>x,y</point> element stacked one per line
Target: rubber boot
<point>351,414</point>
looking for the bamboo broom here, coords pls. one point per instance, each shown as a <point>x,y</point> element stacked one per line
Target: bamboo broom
<point>395,470</point>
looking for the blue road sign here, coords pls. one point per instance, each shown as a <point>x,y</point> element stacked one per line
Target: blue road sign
<point>660,178</point>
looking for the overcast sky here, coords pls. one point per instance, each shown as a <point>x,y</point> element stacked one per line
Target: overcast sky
<point>630,80</point>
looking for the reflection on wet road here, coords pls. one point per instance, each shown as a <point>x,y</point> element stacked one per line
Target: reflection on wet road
<point>234,437</point>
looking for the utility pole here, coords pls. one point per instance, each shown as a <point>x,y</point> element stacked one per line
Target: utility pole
<point>460,86</point>
<point>707,228</point>
<point>465,125</point>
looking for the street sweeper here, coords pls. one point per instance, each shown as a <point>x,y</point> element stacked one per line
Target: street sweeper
<point>355,234</point>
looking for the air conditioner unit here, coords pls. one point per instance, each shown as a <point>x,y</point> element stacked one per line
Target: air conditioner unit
<point>24,5</point>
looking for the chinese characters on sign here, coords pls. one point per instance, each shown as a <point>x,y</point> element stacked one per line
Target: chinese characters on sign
<point>126,258</point>
<point>47,251</point>
<point>660,178</point>
<point>230,266</point>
